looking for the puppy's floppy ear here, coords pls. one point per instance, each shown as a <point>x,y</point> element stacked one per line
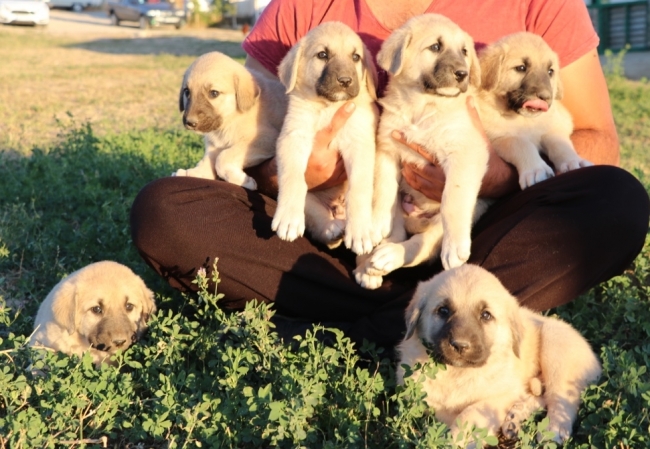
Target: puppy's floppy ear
<point>64,306</point>
<point>288,68</point>
<point>246,91</point>
<point>413,312</point>
<point>181,103</point>
<point>393,51</point>
<point>371,73</point>
<point>491,60</point>
<point>475,65</point>
<point>148,303</point>
<point>517,330</point>
<point>559,89</point>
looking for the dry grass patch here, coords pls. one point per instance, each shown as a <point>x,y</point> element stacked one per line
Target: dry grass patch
<point>117,84</point>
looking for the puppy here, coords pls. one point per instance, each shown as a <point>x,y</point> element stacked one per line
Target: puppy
<point>519,107</point>
<point>433,67</point>
<point>502,361</point>
<point>326,68</point>
<point>238,111</point>
<point>102,307</point>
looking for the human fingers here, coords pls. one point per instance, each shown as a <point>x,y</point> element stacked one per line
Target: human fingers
<point>401,138</point>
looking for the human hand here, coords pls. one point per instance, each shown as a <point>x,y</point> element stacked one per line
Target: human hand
<point>325,167</point>
<point>430,179</point>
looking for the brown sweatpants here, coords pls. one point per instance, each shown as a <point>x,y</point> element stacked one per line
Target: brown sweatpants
<point>547,244</point>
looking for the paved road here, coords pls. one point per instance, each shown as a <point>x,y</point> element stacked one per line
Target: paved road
<point>93,23</point>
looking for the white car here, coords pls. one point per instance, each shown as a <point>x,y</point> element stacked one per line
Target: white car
<point>28,12</point>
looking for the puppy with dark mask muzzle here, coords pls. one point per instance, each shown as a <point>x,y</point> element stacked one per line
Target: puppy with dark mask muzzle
<point>519,105</point>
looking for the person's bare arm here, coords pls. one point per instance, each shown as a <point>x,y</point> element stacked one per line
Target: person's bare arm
<point>587,98</point>
<point>325,167</point>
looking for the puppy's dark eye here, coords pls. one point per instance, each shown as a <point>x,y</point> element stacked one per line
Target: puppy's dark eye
<point>214,93</point>
<point>486,316</point>
<point>551,72</point>
<point>356,57</point>
<point>322,55</point>
<point>443,312</point>
<point>96,310</point>
<point>186,92</point>
<point>465,51</point>
<point>435,47</point>
<point>520,68</point>
<point>129,306</point>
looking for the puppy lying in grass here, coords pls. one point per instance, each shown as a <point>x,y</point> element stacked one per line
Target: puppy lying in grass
<point>502,360</point>
<point>238,111</point>
<point>102,308</point>
<point>329,66</point>
<point>520,109</point>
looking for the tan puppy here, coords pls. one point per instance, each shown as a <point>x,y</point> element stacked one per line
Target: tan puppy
<point>520,111</point>
<point>239,112</point>
<point>496,355</point>
<point>102,307</point>
<point>433,67</point>
<point>326,68</point>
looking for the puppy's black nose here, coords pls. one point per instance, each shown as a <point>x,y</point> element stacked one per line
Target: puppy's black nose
<point>119,343</point>
<point>101,347</point>
<point>344,81</point>
<point>459,345</point>
<point>460,75</point>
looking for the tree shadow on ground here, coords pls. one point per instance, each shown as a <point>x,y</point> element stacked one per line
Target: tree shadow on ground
<point>169,45</point>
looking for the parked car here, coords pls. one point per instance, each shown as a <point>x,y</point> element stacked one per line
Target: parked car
<point>75,5</point>
<point>27,12</point>
<point>148,13</point>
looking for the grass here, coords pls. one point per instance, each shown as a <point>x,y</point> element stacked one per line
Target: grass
<point>206,378</point>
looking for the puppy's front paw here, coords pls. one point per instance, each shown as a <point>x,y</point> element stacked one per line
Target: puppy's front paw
<point>528,178</point>
<point>367,280</point>
<point>573,164</point>
<point>358,237</point>
<point>386,258</point>
<point>455,252</point>
<point>194,173</point>
<point>289,224</point>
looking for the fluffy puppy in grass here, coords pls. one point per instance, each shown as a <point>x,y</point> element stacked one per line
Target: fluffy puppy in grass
<point>433,67</point>
<point>520,109</point>
<point>239,112</point>
<point>502,360</point>
<point>328,67</point>
<point>102,308</point>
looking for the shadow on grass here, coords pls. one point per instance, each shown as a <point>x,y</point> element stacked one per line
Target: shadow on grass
<point>170,45</point>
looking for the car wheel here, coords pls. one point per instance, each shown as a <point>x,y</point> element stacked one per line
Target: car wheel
<point>114,20</point>
<point>77,7</point>
<point>180,24</point>
<point>144,23</point>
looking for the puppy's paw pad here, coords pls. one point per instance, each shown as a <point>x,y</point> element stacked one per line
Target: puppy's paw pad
<point>334,231</point>
<point>249,183</point>
<point>573,164</point>
<point>531,177</point>
<point>386,258</point>
<point>366,280</point>
<point>288,228</point>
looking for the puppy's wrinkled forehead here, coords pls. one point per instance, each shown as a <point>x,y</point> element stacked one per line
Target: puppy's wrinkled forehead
<point>335,38</point>
<point>467,285</point>
<point>531,52</point>
<point>211,71</point>
<point>438,30</point>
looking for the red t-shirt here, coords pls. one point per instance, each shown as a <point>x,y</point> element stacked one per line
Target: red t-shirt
<point>564,24</point>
